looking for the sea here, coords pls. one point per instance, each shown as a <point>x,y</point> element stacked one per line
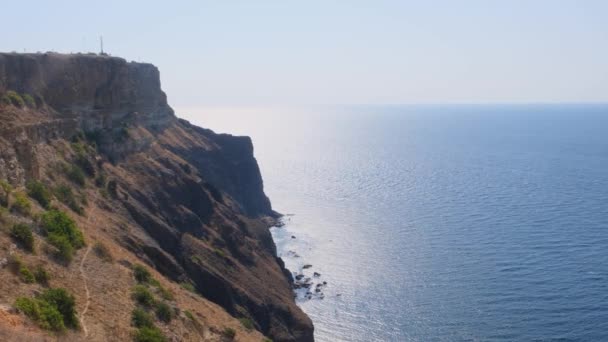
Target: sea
<point>438,222</point>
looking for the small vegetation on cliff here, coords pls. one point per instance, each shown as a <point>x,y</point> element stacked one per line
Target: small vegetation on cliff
<point>22,234</point>
<point>229,333</point>
<point>143,296</point>
<point>149,334</point>
<point>40,193</point>
<point>66,196</point>
<point>247,323</point>
<point>5,191</point>
<point>13,98</point>
<point>75,174</point>
<point>164,312</point>
<point>26,275</point>
<point>62,233</point>
<point>21,205</point>
<point>141,274</point>
<point>29,100</point>
<point>140,318</point>
<point>188,286</point>
<point>54,309</point>
<point>41,275</point>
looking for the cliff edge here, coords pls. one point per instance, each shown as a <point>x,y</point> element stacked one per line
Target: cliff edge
<point>151,188</point>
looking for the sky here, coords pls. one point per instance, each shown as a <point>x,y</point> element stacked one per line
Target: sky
<point>255,53</point>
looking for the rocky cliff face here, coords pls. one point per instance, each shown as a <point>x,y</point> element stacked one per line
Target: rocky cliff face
<point>186,201</point>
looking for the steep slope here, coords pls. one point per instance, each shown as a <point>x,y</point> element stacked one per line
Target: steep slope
<point>157,190</point>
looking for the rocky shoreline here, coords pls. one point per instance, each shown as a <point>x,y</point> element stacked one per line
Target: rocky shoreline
<point>307,284</point>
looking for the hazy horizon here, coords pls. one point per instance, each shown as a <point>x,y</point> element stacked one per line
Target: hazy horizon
<point>340,53</point>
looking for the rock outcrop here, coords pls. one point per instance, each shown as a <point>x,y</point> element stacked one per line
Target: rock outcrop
<point>192,200</point>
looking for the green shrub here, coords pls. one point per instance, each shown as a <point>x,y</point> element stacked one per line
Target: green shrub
<point>54,309</point>
<point>22,205</point>
<point>14,98</point>
<point>22,234</point>
<point>65,250</point>
<point>76,175</point>
<point>5,191</point>
<point>40,193</point>
<point>229,333</point>
<point>28,306</point>
<point>140,318</point>
<point>188,286</point>
<point>64,302</point>
<point>50,317</point>
<point>141,274</point>
<point>247,323</point>
<point>41,275</point>
<point>147,334</point>
<point>163,312</point>
<point>103,252</point>
<point>143,296</point>
<point>29,100</point>
<point>59,223</point>
<point>26,275</point>
<point>66,196</point>
<point>62,233</point>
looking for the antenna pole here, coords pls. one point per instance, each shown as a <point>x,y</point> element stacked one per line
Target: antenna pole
<point>101,43</point>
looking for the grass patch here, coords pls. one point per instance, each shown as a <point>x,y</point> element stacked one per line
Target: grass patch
<point>164,312</point>
<point>141,274</point>
<point>5,192</point>
<point>41,275</point>
<point>22,234</point>
<point>62,233</point>
<point>40,193</point>
<point>54,309</point>
<point>22,205</point>
<point>14,98</point>
<point>143,296</point>
<point>188,286</point>
<point>29,100</point>
<point>26,275</point>
<point>247,323</point>
<point>149,334</point>
<point>140,318</point>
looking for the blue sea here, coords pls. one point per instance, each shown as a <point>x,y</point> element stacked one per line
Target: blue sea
<point>439,223</point>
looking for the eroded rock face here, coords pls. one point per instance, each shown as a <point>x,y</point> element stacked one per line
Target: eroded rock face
<point>196,196</point>
<point>102,92</point>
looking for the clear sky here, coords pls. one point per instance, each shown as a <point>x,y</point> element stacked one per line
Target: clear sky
<point>234,53</point>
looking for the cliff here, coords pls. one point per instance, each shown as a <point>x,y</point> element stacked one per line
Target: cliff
<point>183,200</point>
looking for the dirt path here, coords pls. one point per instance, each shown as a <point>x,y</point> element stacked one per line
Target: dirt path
<point>86,289</point>
<point>86,286</point>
